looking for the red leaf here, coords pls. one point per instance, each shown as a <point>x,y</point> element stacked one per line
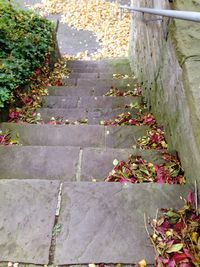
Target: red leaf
<point>190,198</point>
<point>179,257</point>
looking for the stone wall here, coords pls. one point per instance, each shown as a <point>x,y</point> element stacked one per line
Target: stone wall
<point>165,56</point>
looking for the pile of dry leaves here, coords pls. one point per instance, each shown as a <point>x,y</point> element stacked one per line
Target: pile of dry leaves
<point>176,236</point>
<point>138,170</point>
<point>98,16</point>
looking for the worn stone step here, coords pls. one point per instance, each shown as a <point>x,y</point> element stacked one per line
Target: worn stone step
<point>75,135</point>
<point>96,163</point>
<point>27,218</point>
<point>64,163</point>
<point>117,65</point>
<point>80,90</point>
<point>89,101</point>
<point>39,162</point>
<point>100,83</point>
<point>93,75</point>
<point>70,91</point>
<point>94,115</point>
<point>104,222</point>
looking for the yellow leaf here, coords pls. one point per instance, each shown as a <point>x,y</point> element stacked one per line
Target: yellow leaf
<point>142,263</point>
<point>194,237</point>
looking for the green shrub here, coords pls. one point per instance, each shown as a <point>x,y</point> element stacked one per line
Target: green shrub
<point>25,41</point>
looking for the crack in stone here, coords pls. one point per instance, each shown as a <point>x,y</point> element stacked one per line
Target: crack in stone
<point>53,235</point>
<point>78,173</point>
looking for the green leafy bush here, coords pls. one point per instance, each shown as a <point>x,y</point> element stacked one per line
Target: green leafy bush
<point>25,41</point>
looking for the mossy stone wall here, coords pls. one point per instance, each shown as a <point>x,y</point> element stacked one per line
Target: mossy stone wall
<point>165,56</point>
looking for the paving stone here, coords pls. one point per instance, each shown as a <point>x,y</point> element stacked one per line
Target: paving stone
<point>98,114</point>
<point>57,135</point>
<point>71,114</point>
<point>98,162</point>
<point>107,101</point>
<point>94,115</point>
<point>39,162</point>
<point>124,136</point>
<point>27,211</point>
<point>70,82</point>
<point>70,91</point>
<point>79,75</point>
<point>114,65</point>
<point>60,102</point>
<point>104,222</point>
<point>106,82</point>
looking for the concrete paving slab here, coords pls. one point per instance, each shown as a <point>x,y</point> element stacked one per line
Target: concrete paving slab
<point>37,162</point>
<point>27,211</point>
<point>104,222</point>
<point>98,162</point>
<point>124,136</point>
<point>57,135</point>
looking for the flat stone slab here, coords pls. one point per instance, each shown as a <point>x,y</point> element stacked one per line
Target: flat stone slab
<point>104,222</point>
<point>75,135</point>
<point>94,115</point>
<point>80,90</point>
<point>39,162</point>
<point>60,102</point>
<point>70,91</point>
<point>124,136</point>
<point>71,114</point>
<point>27,211</point>
<point>88,102</point>
<point>98,162</point>
<point>100,83</point>
<point>57,135</point>
<point>114,65</point>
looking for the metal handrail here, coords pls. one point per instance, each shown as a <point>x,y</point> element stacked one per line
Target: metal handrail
<point>176,14</point>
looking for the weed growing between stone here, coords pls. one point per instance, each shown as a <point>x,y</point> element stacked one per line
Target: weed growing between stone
<point>176,236</point>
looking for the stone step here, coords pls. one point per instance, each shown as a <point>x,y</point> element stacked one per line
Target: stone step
<point>93,75</point>
<point>75,135</point>
<point>104,222</point>
<point>80,90</point>
<point>100,83</point>
<point>39,162</point>
<point>109,216</point>
<point>27,218</point>
<point>89,102</point>
<point>64,163</point>
<point>94,115</point>
<point>118,65</point>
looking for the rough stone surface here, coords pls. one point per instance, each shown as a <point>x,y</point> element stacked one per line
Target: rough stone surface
<point>124,136</point>
<point>71,114</point>
<point>75,135</point>
<point>60,102</point>
<point>166,59</point>
<point>49,135</point>
<point>98,162</point>
<point>27,211</point>
<point>104,222</point>
<point>70,91</point>
<point>107,102</point>
<point>36,162</point>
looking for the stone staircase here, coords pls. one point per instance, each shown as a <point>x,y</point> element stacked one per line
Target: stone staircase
<point>52,211</point>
